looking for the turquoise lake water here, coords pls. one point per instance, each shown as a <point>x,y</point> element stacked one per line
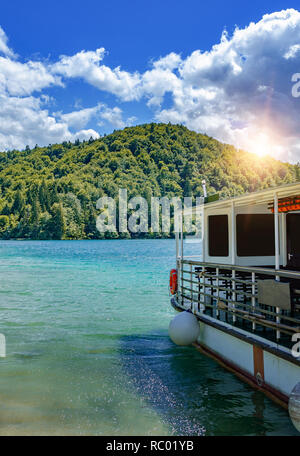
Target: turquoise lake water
<point>88,353</point>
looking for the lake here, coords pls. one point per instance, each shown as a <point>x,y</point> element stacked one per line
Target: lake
<point>88,352</point>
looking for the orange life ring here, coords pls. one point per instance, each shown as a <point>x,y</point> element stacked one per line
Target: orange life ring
<point>173,281</point>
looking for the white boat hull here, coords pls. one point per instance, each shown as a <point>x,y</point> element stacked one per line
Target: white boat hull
<point>268,367</point>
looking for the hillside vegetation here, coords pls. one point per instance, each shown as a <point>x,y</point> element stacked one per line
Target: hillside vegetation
<point>51,192</point>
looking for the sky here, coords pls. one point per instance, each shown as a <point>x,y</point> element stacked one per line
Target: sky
<point>76,69</point>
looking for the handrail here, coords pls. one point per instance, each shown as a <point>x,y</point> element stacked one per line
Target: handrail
<point>250,269</point>
<point>216,291</point>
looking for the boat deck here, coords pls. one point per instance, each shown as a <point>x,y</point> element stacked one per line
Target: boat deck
<point>230,294</point>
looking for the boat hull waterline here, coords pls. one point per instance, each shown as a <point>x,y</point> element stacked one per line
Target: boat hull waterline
<point>264,366</point>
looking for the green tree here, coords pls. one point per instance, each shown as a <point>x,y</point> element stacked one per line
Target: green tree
<point>51,192</point>
<point>44,196</point>
<point>57,225</point>
<point>18,204</point>
<point>35,212</point>
<point>4,223</point>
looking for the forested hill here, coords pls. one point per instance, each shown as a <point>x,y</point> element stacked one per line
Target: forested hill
<point>50,192</point>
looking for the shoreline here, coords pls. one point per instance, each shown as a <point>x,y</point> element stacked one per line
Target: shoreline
<point>109,239</point>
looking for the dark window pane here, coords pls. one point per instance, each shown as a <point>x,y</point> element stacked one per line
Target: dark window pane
<point>218,235</point>
<point>255,235</point>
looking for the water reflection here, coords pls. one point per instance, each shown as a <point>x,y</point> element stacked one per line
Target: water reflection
<point>193,394</point>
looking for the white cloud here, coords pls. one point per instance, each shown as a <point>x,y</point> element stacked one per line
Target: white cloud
<point>24,78</point>
<point>23,121</point>
<point>239,91</point>
<point>157,82</point>
<point>127,86</point>
<point>86,65</point>
<point>85,134</point>
<point>246,89</point>
<point>113,116</point>
<point>292,52</point>
<point>79,119</point>
<point>4,49</point>
<point>169,62</point>
<point>101,112</point>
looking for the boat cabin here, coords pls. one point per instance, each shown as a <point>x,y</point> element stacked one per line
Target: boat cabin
<point>258,229</point>
<point>246,269</point>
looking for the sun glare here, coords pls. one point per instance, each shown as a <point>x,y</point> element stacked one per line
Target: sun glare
<point>260,144</point>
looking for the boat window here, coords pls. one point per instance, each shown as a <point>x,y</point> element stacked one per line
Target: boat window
<point>255,235</point>
<point>218,235</point>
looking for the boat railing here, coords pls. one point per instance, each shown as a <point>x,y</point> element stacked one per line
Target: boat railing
<point>231,293</point>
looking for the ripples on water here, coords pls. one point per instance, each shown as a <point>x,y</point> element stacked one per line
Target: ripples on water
<point>88,351</point>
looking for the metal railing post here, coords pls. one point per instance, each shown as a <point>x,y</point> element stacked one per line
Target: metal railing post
<point>277,258</point>
<point>191,285</point>
<point>211,282</point>
<point>253,301</point>
<point>218,292</point>
<point>233,294</point>
<point>203,286</point>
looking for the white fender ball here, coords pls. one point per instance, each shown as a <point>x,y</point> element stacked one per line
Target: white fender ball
<point>294,406</point>
<point>184,329</point>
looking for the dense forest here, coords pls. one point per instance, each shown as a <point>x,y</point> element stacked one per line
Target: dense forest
<point>51,192</point>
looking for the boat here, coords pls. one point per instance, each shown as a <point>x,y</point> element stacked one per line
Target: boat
<point>243,287</point>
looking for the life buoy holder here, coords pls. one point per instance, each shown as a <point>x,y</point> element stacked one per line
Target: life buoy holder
<point>173,281</point>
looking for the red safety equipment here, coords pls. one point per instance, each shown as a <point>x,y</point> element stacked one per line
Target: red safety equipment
<point>173,281</point>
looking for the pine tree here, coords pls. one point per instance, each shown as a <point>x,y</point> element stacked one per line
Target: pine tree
<point>187,175</point>
<point>44,196</point>
<point>53,194</point>
<point>18,204</point>
<point>36,212</point>
<point>58,227</point>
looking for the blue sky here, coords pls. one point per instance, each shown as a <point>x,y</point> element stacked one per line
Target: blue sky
<point>174,67</point>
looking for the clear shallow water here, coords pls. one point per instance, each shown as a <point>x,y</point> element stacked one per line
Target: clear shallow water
<point>88,350</point>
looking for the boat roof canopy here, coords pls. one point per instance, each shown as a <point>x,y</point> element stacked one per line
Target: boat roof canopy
<point>260,197</point>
